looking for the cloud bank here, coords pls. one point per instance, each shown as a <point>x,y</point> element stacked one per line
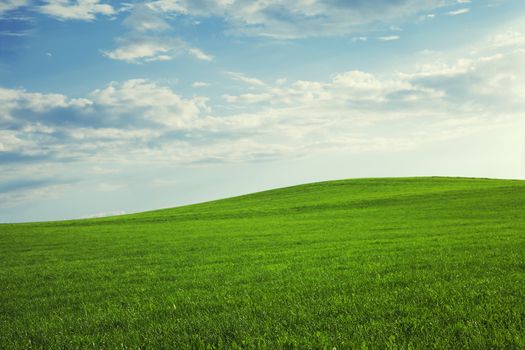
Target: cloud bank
<point>145,121</point>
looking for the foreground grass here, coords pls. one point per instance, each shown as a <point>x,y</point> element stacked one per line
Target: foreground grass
<point>373,263</point>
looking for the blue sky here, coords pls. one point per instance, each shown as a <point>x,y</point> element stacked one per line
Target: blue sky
<point>118,107</point>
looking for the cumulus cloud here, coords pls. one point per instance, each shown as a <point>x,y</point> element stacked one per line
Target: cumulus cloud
<point>148,122</point>
<point>141,50</point>
<point>85,10</point>
<point>151,102</point>
<point>356,111</point>
<point>121,117</point>
<point>12,99</point>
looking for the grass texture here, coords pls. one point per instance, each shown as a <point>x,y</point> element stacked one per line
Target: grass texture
<point>401,263</point>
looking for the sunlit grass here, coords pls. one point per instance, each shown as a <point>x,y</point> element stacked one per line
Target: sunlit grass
<point>372,263</point>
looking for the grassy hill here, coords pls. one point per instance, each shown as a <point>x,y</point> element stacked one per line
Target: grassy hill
<point>369,263</point>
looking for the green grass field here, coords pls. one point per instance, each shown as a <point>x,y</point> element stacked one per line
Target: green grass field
<point>369,263</point>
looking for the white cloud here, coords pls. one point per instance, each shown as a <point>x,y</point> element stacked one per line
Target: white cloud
<point>103,170</point>
<point>140,50</point>
<point>200,84</point>
<point>159,58</point>
<point>9,5</point>
<point>146,49</point>
<point>458,12</point>
<point>389,38</point>
<point>154,103</point>
<point>294,19</point>
<point>245,79</point>
<point>508,38</point>
<point>104,214</point>
<point>10,141</point>
<point>423,18</point>
<point>198,54</point>
<point>359,39</point>
<point>247,98</point>
<point>85,10</point>
<point>356,111</point>
<point>11,99</point>
<point>13,199</point>
<point>144,18</point>
<point>108,134</point>
<point>144,44</point>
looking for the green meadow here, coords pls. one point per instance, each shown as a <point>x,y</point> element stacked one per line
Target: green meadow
<point>400,263</point>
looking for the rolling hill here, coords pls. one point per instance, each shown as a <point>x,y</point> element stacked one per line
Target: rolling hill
<point>367,263</point>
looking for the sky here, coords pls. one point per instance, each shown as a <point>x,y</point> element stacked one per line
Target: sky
<point>110,107</point>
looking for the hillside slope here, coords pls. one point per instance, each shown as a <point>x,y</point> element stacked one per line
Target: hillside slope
<point>405,262</point>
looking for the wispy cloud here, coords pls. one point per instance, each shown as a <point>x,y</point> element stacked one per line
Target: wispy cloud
<point>289,20</point>
<point>199,54</point>
<point>15,193</point>
<point>15,33</point>
<point>509,38</point>
<point>146,49</point>
<point>9,5</point>
<point>426,17</point>
<point>144,18</point>
<point>200,84</point>
<point>148,39</point>
<point>104,214</point>
<point>109,187</point>
<point>245,79</point>
<point>389,38</point>
<point>359,39</point>
<point>458,12</point>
